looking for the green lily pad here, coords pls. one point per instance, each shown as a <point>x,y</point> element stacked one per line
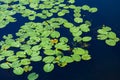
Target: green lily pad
<point>21,54</point>
<point>48,59</point>
<point>106,28</point>
<point>32,76</point>
<point>62,46</point>
<point>77,39</point>
<point>78,20</point>
<point>86,38</point>
<point>27,68</point>
<point>111,35</point>
<point>76,57</point>
<point>36,58</point>
<point>49,52</point>
<point>12,58</point>
<point>86,57</point>
<point>68,25</point>
<point>18,70</point>
<point>66,59</point>
<point>7,53</point>
<point>102,37</point>
<point>55,34</point>
<point>84,28</point>
<point>93,10</point>
<point>15,64</point>
<point>64,39</point>
<point>79,51</point>
<point>2,57</point>
<point>110,42</point>
<point>61,13</point>
<point>74,29</point>
<point>25,61</point>
<point>48,67</point>
<point>102,31</point>
<point>85,7</point>
<point>5,65</point>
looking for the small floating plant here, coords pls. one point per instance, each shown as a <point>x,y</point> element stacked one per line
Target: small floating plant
<point>36,38</point>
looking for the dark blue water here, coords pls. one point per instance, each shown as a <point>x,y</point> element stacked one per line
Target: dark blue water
<point>105,62</point>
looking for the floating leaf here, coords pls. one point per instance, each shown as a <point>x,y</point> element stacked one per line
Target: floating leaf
<point>68,25</point>
<point>32,76</point>
<point>102,37</point>
<point>86,57</point>
<point>15,64</point>
<point>25,62</point>
<point>27,68</point>
<point>110,42</point>
<point>62,64</point>
<point>93,10</point>
<point>79,51</point>
<point>35,53</point>
<point>5,65</point>
<point>77,34</point>
<point>49,52</point>
<point>102,31</point>
<point>76,57</point>
<point>85,7</point>
<point>84,28</point>
<point>106,28</point>
<point>61,13</point>
<point>111,35</point>
<point>55,34</point>
<point>18,71</point>
<point>35,58</point>
<point>21,54</point>
<point>67,59</point>
<point>64,39</point>
<point>12,58</point>
<point>77,39</point>
<point>25,47</point>
<point>62,46</point>
<point>86,38</point>
<point>48,67</point>
<point>48,59</point>
<point>78,20</point>
<point>2,57</point>
<point>7,53</point>
<point>71,1</point>
<point>74,29</point>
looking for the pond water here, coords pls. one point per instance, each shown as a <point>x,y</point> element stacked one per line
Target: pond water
<point>105,62</point>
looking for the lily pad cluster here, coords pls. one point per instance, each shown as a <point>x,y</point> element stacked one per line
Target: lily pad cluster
<point>33,39</point>
<point>108,35</point>
<point>38,8</point>
<point>42,41</point>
